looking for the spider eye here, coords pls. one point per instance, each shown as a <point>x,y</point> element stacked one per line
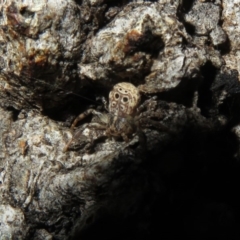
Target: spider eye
<point>125,99</point>
<point>116,95</point>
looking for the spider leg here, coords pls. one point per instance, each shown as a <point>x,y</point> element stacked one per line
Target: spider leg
<point>150,103</point>
<point>96,126</point>
<point>67,145</point>
<point>125,137</point>
<point>84,115</point>
<point>105,103</point>
<point>148,115</point>
<point>148,122</point>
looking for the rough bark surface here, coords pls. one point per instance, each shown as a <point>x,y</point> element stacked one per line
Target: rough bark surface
<point>57,58</point>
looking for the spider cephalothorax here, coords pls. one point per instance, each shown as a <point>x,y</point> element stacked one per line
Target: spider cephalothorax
<point>125,114</point>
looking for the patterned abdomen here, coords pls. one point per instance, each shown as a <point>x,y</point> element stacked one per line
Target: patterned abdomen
<point>123,99</point>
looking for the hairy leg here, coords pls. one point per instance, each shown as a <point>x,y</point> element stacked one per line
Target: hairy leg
<point>84,115</point>
<point>78,133</point>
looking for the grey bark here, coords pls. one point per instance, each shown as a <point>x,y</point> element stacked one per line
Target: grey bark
<point>52,51</point>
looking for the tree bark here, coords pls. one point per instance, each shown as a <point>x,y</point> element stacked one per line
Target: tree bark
<point>58,57</point>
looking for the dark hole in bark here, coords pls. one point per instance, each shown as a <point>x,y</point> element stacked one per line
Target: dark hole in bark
<point>14,111</point>
<point>183,93</point>
<point>183,9</point>
<point>186,5</point>
<point>205,94</point>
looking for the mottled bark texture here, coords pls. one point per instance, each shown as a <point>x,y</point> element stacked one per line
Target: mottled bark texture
<point>57,57</point>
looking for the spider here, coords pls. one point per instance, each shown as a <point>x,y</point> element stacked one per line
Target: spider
<point>125,115</point>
